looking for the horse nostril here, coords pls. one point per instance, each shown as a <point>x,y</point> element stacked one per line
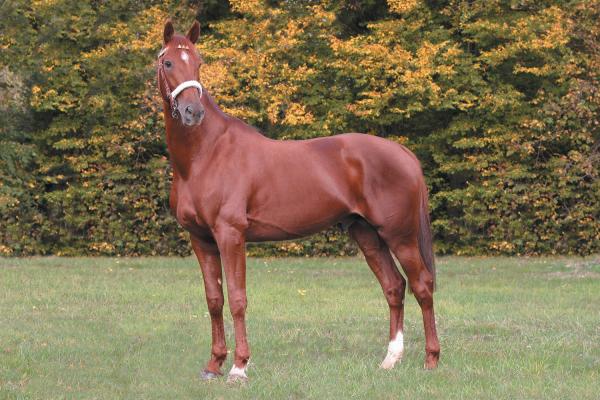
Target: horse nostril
<point>188,110</point>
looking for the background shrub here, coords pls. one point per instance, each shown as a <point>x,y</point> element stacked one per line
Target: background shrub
<point>499,99</point>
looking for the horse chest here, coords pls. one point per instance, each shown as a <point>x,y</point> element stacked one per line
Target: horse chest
<point>186,212</point>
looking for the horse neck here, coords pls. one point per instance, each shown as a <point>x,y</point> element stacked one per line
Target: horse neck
<point>188,143</point>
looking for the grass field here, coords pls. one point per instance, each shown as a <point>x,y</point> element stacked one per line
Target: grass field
<point>110,328</point>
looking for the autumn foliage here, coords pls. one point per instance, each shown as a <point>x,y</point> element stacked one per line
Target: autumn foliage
<point>499,99</point>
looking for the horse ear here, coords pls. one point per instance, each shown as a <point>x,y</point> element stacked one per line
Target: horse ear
<point>194,32</point>
<point>168,32</point>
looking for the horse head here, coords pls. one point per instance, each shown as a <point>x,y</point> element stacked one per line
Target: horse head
<point>178,75</point>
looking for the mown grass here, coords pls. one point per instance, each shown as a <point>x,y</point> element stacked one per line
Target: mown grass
<point>108,328</point>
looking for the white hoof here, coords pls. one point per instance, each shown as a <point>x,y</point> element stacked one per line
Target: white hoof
<point>390,360</point>
<point>394,353</point>
<point>237,375</point>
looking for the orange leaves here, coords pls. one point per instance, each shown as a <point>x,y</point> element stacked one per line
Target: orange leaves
<point>260,65</point>
<point>392,71</point>
<point>532,36</point>
<point>252,7</point>
<point>402,6</point>
<point>499,99</point>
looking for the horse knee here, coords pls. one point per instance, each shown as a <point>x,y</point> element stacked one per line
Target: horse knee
<point>238,306</point>
<point>215,305</point>
<point>423,293</point>
<point>394,295</point>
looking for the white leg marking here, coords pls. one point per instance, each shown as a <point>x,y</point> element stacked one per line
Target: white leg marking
<point>237,374</point>
<point>394,353</point>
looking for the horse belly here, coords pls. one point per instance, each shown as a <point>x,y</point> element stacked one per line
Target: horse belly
<point>295,215</point>
<point>263,231</point>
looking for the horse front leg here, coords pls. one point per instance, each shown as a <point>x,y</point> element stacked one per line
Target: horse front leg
<point>210,264</point>
<point>232,246</point>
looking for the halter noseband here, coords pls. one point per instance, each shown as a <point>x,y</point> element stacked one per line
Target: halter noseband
<point>171,96</point>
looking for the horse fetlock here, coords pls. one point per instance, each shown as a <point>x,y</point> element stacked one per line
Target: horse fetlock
<point>431,360</point>
<point>219,354</point>
<point>432,355</point>
<point>242,356</point>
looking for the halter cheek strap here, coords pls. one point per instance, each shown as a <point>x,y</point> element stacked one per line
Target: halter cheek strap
<point>171,96</point>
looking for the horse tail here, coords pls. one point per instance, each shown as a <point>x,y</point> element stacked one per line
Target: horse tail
<point>424,236</point>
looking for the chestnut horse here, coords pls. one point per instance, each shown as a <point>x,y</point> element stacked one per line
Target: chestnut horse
<point>232,185</point>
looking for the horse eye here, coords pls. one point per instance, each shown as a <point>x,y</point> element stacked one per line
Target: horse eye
<point>168,64</point>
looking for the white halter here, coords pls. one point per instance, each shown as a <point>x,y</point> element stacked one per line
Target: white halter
<point>184,85</point>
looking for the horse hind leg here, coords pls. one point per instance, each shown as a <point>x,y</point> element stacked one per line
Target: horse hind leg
<point>421,282</point>
<point>379,259</point>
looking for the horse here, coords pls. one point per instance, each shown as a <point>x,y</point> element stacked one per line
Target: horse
<point>231,185</point>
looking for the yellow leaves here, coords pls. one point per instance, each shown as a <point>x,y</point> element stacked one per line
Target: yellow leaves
<point>288,37</point>
<point>103,248</point>
<point>533,123</point>
<point>242,76</point>
<point>544,70</point>
<point>498,101</point>
<point>399,139</point>
<point>69,143</point>
<point>402,6</point>
<point>320,16</point>
<point>124,38</point>
<point>291,247</point>
<point>502,246</point>
<point>5,250</point>
<point>135,125</point>
<point>535,34</point>
<point>390,71</point>
<point>44,100</point>
<point>43,3</point>
<point>252,7</point>
<point>152,39</point>
<point>296,114</point>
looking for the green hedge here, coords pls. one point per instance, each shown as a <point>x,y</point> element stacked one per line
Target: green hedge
<point>499,99</point>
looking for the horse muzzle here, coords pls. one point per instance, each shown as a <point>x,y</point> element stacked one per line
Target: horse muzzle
<point>192,115</point>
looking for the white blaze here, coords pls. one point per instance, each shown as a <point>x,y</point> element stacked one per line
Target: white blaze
<point>185,57</point>
<point>395,350</point>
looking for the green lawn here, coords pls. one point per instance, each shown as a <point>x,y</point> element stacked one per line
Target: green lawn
<point>108,328</point>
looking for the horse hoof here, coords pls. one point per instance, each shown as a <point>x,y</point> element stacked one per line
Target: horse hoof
<point>390,360</point>
<point>431,361</point>
<point>387,364</point>
<point>208,376</point>
<point>430,366</point>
